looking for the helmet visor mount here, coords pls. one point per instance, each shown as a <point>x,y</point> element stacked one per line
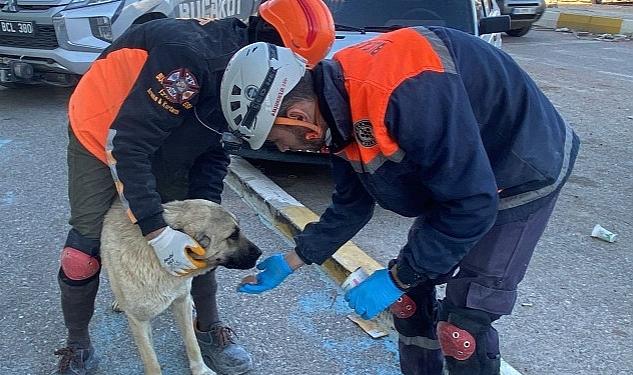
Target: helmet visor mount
<point>232,141</point>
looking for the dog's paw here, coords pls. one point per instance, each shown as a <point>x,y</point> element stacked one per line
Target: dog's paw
<point>116,307</point>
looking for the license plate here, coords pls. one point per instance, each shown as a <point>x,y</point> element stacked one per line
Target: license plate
<point>523,11</point>
<point>17,28</point>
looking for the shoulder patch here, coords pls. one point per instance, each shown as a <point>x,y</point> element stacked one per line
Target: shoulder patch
<point>180,85</point>
<point>364,133</point>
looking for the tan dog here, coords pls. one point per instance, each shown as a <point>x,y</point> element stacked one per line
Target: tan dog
<point>143,289</point>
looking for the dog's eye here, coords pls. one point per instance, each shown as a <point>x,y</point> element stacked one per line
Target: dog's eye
<point>205,241</point>
<point>235,235</point>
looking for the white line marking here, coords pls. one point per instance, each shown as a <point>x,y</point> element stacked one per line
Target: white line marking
<point>556,44</point>
<point>506,369</point>
<point>630,77</point>
<point>523,58</point>
<point>583,91</point>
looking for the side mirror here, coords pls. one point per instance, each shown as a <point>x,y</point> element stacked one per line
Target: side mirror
<point>489,25</point>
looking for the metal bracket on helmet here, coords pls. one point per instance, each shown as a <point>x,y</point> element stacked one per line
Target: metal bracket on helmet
<point>231,142</point>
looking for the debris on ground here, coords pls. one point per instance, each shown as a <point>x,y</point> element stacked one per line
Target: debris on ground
<point>611,37</point>
<point>527,304</point>
<point>604,37</point>
<point>629,117</point>
<point>603,234</point>
<point>369,326</point>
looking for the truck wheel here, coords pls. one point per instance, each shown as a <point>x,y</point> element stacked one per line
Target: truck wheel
<point>149,17</point>
<point>519,32</point>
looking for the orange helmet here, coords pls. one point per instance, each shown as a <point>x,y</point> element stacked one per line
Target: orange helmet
<point>305,26</point>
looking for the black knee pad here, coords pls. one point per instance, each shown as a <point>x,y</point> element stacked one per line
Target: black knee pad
<point>462,335</point>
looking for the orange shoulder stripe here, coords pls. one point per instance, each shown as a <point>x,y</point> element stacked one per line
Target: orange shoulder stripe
<point>100,94</point>
<point>372,71</point>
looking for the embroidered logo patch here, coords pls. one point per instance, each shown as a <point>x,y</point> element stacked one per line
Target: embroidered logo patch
<point>364,133</point>
<point>180,85</point>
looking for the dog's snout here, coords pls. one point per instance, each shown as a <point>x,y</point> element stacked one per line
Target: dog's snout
<point>256,251</point>
<point>245,259</point>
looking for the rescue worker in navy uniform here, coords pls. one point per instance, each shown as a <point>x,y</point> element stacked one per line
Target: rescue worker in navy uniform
<point>454,134</point>
<point>145,123</point>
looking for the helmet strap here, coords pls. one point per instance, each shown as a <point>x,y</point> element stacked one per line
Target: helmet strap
<point>315,130</point>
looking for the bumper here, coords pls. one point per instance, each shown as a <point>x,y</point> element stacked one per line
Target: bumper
<point>56,61</point>
<point>522,14</point>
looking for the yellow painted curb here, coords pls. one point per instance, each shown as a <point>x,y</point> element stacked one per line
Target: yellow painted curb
<point>346,260</point>
<point>595,24</point>
<point>288,216</point>
<point>573,21</point>
<point>605,25</point>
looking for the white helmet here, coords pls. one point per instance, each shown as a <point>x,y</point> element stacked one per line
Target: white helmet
<point>254,84</point>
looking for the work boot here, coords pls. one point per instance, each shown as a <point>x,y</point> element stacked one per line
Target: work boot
<point>221,352</point>
<point>76,361</point>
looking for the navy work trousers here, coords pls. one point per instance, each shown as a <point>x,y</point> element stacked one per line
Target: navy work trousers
<point>485,280</point>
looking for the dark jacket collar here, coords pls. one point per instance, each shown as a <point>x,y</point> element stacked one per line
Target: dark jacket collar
<point>329,84</point>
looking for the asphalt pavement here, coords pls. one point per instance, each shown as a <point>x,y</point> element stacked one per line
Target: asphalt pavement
<point>573,314</point>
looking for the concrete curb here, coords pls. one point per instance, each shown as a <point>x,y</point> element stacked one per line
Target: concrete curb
<point>585,21</point>
<point>288,216</point>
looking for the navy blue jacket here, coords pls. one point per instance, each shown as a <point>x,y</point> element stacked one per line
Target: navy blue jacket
<point>460,132</point>
<point>137,110</point>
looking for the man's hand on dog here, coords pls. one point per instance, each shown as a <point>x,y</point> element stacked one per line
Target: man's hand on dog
<point>172,248</point>
<point>274,269</point>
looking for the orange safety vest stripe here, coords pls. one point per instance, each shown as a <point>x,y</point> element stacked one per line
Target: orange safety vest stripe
<point>373,70</point>
<point>99,96</point>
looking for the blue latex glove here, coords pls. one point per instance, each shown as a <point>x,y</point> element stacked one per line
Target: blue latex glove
<point>373,295</point>
<point>274,269</point>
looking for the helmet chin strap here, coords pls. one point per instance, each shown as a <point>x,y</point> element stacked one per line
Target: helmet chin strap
<point>315,132</point>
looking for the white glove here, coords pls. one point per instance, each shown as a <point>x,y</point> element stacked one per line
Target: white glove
<point>171,248</point>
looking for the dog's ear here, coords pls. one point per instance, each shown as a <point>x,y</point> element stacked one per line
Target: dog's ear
<point>174,214</point>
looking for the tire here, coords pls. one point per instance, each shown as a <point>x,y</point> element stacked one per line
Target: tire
<point>149,17</point>
<point>519,32</point>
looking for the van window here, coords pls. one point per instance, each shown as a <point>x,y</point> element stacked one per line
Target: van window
<point>457,14</point>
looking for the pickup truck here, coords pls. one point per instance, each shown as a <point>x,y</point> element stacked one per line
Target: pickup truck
<point>55,41</point>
